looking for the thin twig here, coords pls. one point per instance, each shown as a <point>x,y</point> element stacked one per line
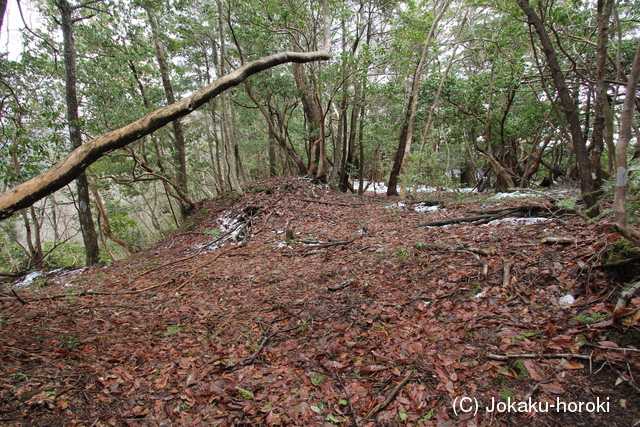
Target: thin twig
<point>351,408</point>
<point>602,347</point>
<point>537,356</point>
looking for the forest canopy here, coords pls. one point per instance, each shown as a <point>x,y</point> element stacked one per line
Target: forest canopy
<point>488,94</point>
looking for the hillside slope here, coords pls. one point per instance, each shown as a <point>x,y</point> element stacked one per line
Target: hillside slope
<point>297,305</point>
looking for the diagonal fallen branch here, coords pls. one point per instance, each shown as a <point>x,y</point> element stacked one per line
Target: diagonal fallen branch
<point>487,217</point>
<point>506,357</point>
<point>65,171</point>
<point>380,406</point>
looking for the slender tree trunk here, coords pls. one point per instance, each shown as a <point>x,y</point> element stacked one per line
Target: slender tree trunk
<point>392,187</point>
<point>622,181</point>
<point>178,132</point>
<point>570,111</point>
<point>87,226</point>
<point>407,129</point>
<point>604,14</point>
<point>3,9</point>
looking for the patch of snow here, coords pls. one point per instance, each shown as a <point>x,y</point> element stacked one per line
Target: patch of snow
<point>514,195</point>
<point>517,221</point>
<point>423,209</point>
<point>28,279</point>
<point>567,300</point>
<point>68,276</point>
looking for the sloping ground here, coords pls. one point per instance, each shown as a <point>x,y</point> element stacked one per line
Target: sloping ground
<point>362,319</point>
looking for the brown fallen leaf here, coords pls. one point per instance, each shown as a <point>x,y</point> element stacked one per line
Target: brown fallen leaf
<point>531,366</point>
<point>553,388</point>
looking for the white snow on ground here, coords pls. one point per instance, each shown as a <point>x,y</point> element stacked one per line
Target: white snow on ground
<point>420,208</point>
<point>381,188</point>
<point>59,275</point>
<point>567,300</point>
<point>516,221</point>
<point>514,195</point>
<point>423,209</point>
<point>28,279</point>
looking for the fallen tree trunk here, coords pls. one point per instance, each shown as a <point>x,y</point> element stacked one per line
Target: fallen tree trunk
<point>487,217</point>
<point>65,171</point>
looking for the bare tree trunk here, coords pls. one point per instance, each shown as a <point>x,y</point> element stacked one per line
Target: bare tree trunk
<point>311,113</point>
<point>89,235</point>
<point>604,13</point>
<point>179,142</point>
<point>407,131</point>
<point>3,9</point>
<point>570,110</point>
<point>622,181</point>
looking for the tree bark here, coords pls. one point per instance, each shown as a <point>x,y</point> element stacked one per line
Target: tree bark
<point>179,142</point>
<point>3,9</point>
<point>65,171</point>
<point>604,14</point>
<point>407,130</point>
<point>622,181</point>
<point>311,113</point>
<point>87,226</point>
<point>570,110</point>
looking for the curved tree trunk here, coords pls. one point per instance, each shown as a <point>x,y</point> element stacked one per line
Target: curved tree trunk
<point>570,110</point>
<point>68,169</point>
<point>407,129</point>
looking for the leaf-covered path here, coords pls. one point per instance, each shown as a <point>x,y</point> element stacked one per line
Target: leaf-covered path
<point>297,305</point>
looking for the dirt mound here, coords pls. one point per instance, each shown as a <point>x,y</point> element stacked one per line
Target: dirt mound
<point>296,305</point>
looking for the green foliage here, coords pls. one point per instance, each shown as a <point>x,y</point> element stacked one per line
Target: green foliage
<point>245,394</point>
<point>590,318</point>
<point>568,204</point>
<point>174,330</point>
<point>507,394</point>
<point>421,246</point>
<point>622,249</point>
<point>529,335</point>
<point>215,233</point>
<point>520,368</point>
<point>317,379</point>
<point>401,254</point>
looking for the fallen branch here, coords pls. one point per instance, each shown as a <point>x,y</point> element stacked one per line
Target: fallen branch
<point>453,221</point>
<point>346,394</point>
<point>250,359</point>
<point>380,406</point>
<point>560,240</point>
<point>488,216</point>
<point>602,347</point>
<point>333,203</point>
<point>341,286</point>
<point>329,244</point>
<point>506,357</point>
<point>457,249</point>
<point>626,296</point>
<point>68,169</point>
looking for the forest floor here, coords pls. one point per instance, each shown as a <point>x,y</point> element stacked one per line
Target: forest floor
<point>361,318</point>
